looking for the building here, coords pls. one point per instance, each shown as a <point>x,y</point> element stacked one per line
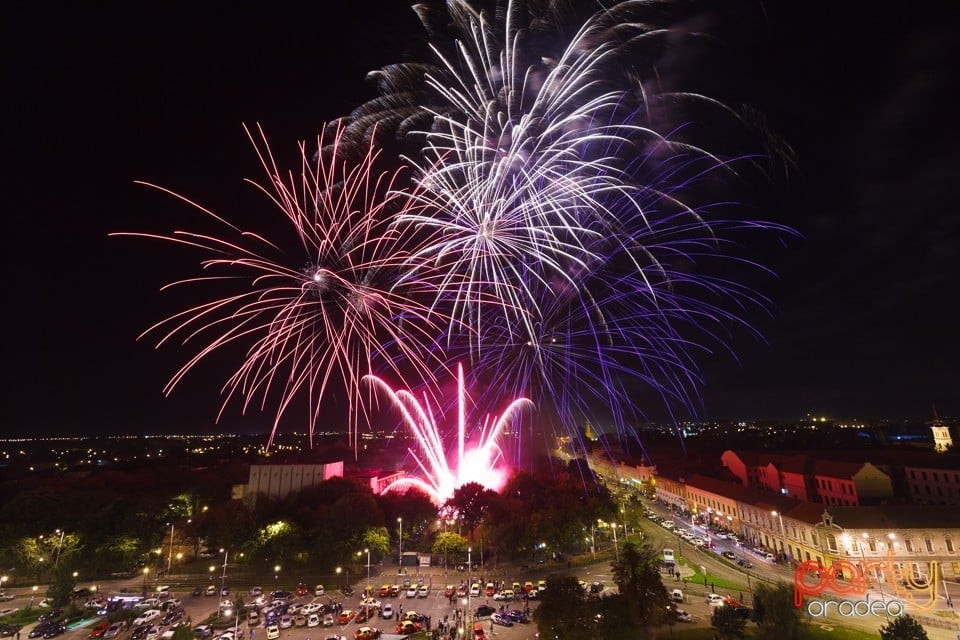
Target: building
<point>941,435</point>
<point>280,480</point>
<point>850,484</point>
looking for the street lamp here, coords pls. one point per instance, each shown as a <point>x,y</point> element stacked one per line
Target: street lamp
<point>782,532</point>
<point>56,560</point>
<point>276,576</point>
<point>223,576</point>
<point>400,539</point>
<point>367,551</point>
<point>170,555</point>
<point>146,570</point>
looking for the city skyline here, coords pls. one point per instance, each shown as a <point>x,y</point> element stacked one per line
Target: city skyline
<point>862,316</point>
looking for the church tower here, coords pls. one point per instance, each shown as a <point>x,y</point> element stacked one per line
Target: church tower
<point>941,434</point>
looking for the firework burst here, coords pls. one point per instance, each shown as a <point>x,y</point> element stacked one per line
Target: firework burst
<point>323,310</point>
<point>480,461</point>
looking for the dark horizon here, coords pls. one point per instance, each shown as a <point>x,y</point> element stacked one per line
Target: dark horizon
<point>864,304</point>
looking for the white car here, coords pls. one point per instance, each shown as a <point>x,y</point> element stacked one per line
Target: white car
<point>423,592</point>
<point>273,632</point>
<point>286,621</point>
<point>310,607</point>
<point>147,617</point>
<point>387,612</point>
<point>313,620</point>
<point>412,592</point>
<point>684,616</point>
<point>715,600</point>
<point>328,620</point>
<point>256,591</point>
<point>475,590</point>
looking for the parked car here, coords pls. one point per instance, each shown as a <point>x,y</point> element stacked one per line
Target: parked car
<point>313,620</point>
<point>423,591</point>
<point>203,631</point>
<point>715,600</point>
<point>318,590</point>
<point>273,632</point>
<point>729,555</point>
<point>299,620</point>
<point>499,618</point>
<point>100,629</point>
<point>676,595</point>
<point>483,611</point>
<point>55,629</point>
<point>210,591</point>
<point>412,591</point>
<point>148,616</point>
<point>406,627</point>
<point>387,612</point>
<point>366,633</point>
<point>517,616</point>
<point>684,616</point>
<point>328,620</point>
<point>197,590</point>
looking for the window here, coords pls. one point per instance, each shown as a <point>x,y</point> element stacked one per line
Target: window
<point>832,542</point>
<point>928,543</point>
<point>872,543</point>
<point>948,543</point>
<point>908,545</point>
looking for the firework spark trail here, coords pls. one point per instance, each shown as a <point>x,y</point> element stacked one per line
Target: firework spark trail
<point>481,462</point>
<point>335,314</point>
<point>560,234</point>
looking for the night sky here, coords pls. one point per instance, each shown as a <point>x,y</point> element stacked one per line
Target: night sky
<point>97,95</point>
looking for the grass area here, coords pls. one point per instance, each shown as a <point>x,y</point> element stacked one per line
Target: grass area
<point>718,582</point>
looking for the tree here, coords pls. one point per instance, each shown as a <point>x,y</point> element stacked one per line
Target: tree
<point>904,627</point>
<point>377,539</point>
<point>62,586</point>
<point>728,622</point>
<point>637,575</point>
<point>471,503</point>
<point>561,611</point>
<point>449,543</point>
<point>775,614</point>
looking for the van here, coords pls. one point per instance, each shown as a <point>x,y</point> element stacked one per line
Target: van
<point>770,557</point>
<point>668,557</point>
<point>677,595</point>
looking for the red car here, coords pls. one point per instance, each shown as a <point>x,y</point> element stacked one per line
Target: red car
<point>100,629</point>
<point>302,589</point>
<point>366,633</point>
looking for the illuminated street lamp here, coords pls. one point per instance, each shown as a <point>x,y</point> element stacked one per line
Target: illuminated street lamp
<point>56,560</point>
<point>276,576</point>
<point>782,532</point>
<point>146,570</point>
<point>400,538</point>
<point>170,555</point>
<point>223,576</point>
